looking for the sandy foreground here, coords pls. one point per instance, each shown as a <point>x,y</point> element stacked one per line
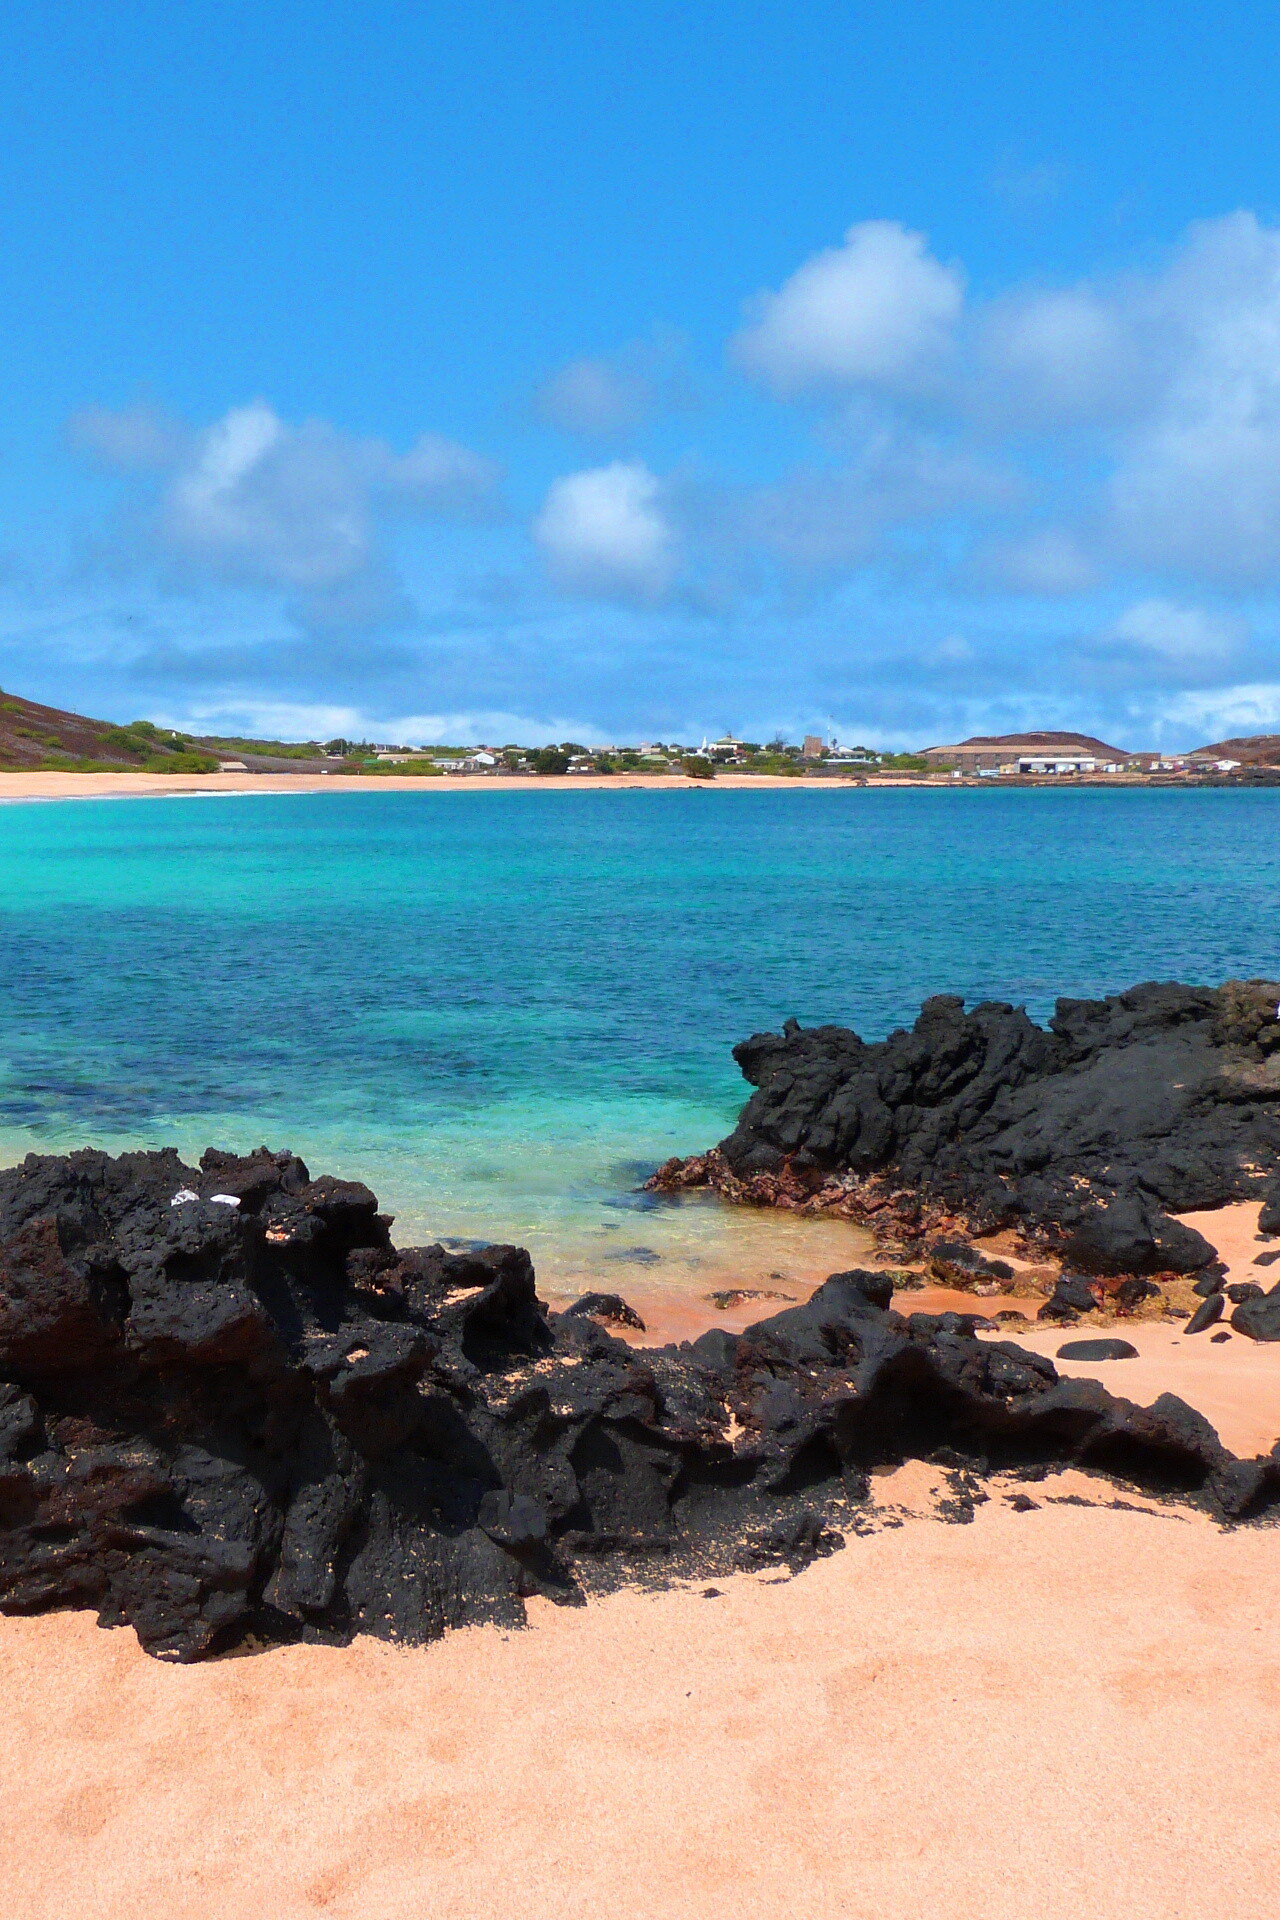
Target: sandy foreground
<point>1072,1710</point>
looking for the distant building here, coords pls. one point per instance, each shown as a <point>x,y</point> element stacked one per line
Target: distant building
<point>728,747</point>
<point>1058,763</point>
<point>813,748</point>
<point>1006,751</point>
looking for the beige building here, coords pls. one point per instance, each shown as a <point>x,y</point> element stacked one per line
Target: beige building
<point>1027,752</point>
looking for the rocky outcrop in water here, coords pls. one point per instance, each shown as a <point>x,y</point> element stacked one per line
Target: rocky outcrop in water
<point>230,1406</point>
<point>1084,1137</point>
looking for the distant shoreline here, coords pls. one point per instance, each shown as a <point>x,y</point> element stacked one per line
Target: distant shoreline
<point>135,786</point>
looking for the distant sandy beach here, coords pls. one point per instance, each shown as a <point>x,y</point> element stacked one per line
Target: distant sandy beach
<point>133,786</point>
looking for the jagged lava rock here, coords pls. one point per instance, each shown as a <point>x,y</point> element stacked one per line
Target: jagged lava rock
<point>229,1404</point>
<point>1162,1099</point>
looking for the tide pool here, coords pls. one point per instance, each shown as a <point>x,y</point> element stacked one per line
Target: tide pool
<point>503,1009</point>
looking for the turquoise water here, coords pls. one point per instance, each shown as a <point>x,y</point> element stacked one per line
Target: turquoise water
<point>501,1009</point>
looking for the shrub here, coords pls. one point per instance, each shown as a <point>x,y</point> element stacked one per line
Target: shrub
<point>180,763</point>
<point>419,769</point>
<point>698,767</point>
<point>123,740</point>
<point>550,760</point>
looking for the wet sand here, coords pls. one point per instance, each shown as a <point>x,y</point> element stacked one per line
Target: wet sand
<point>1069,1712</point>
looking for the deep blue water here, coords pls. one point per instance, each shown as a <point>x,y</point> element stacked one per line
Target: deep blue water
<point>498,1006</point>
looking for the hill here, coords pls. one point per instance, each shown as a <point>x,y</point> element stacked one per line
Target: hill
<point>34,736</point>
<point>1048,742</point>
<point>1246,746</point>
<point>38,738</point>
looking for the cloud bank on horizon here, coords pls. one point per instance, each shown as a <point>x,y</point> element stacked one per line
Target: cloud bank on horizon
<point>979,511</point>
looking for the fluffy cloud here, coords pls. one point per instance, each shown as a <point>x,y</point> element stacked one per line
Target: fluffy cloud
<point>1058,358</point>
<point>1047,560</point>
<point>610,396</point>
<point>878,311</point>
<point>295,720</point>
<point>1146,407</point>
<point>1222,713</point>
<point>821,518</point>
<point>604,531</point>
<point>1197,488</point>
<point>1175,375</point>
<point>1179,635</point>
<point>254,501</point>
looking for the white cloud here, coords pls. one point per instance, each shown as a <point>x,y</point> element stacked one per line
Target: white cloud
<point>1219,713</point>
<point>438,476</point>
<point>1176,376</point>
<point>612,395</point>
<point>1197,488</point>
<point>302,720</point>
<point>878,310</point>
<point>1054,358</point>
<point>254,501</point>
<point>1049,560</point>
<point>1179,635</point>
<point>604,531</point>
<point>833,517</point>
<point>593,397</point>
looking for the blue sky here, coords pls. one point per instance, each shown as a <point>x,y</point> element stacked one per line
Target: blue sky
<point>629,371</point>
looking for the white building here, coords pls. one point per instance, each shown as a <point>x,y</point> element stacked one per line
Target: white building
<point>1058,763</point>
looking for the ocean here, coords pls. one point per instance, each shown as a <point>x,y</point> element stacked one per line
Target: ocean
<point>502,1010</point>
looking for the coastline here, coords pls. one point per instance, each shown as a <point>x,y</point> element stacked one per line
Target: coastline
<point>143,786</point>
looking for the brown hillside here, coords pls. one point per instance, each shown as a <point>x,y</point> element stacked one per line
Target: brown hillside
<point>36,736</point>
<point>1246,746</point>
<point>1078,742</point>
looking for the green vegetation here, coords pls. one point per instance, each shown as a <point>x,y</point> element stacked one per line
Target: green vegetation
<point>180,763</point>
<point>125,740</point>
<point>71,763</point>
<point>698,767</point>
<point>420,769</point>
<point>904,763</point>
<point>551,760</point>
<point>277,749</point>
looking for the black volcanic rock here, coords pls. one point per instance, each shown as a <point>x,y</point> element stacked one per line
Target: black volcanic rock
<point>229,1404</point>
<point>1207,1314</point>
<point>1259,1316</point>
<point>1087,1136</point>
<point>608,1306</point>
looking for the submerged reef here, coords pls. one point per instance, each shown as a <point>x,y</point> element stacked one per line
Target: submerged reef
<point>1084,1137</point>
<point>232,1412</point>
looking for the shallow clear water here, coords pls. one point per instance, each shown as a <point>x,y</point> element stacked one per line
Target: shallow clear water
<point>502,1009</point>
